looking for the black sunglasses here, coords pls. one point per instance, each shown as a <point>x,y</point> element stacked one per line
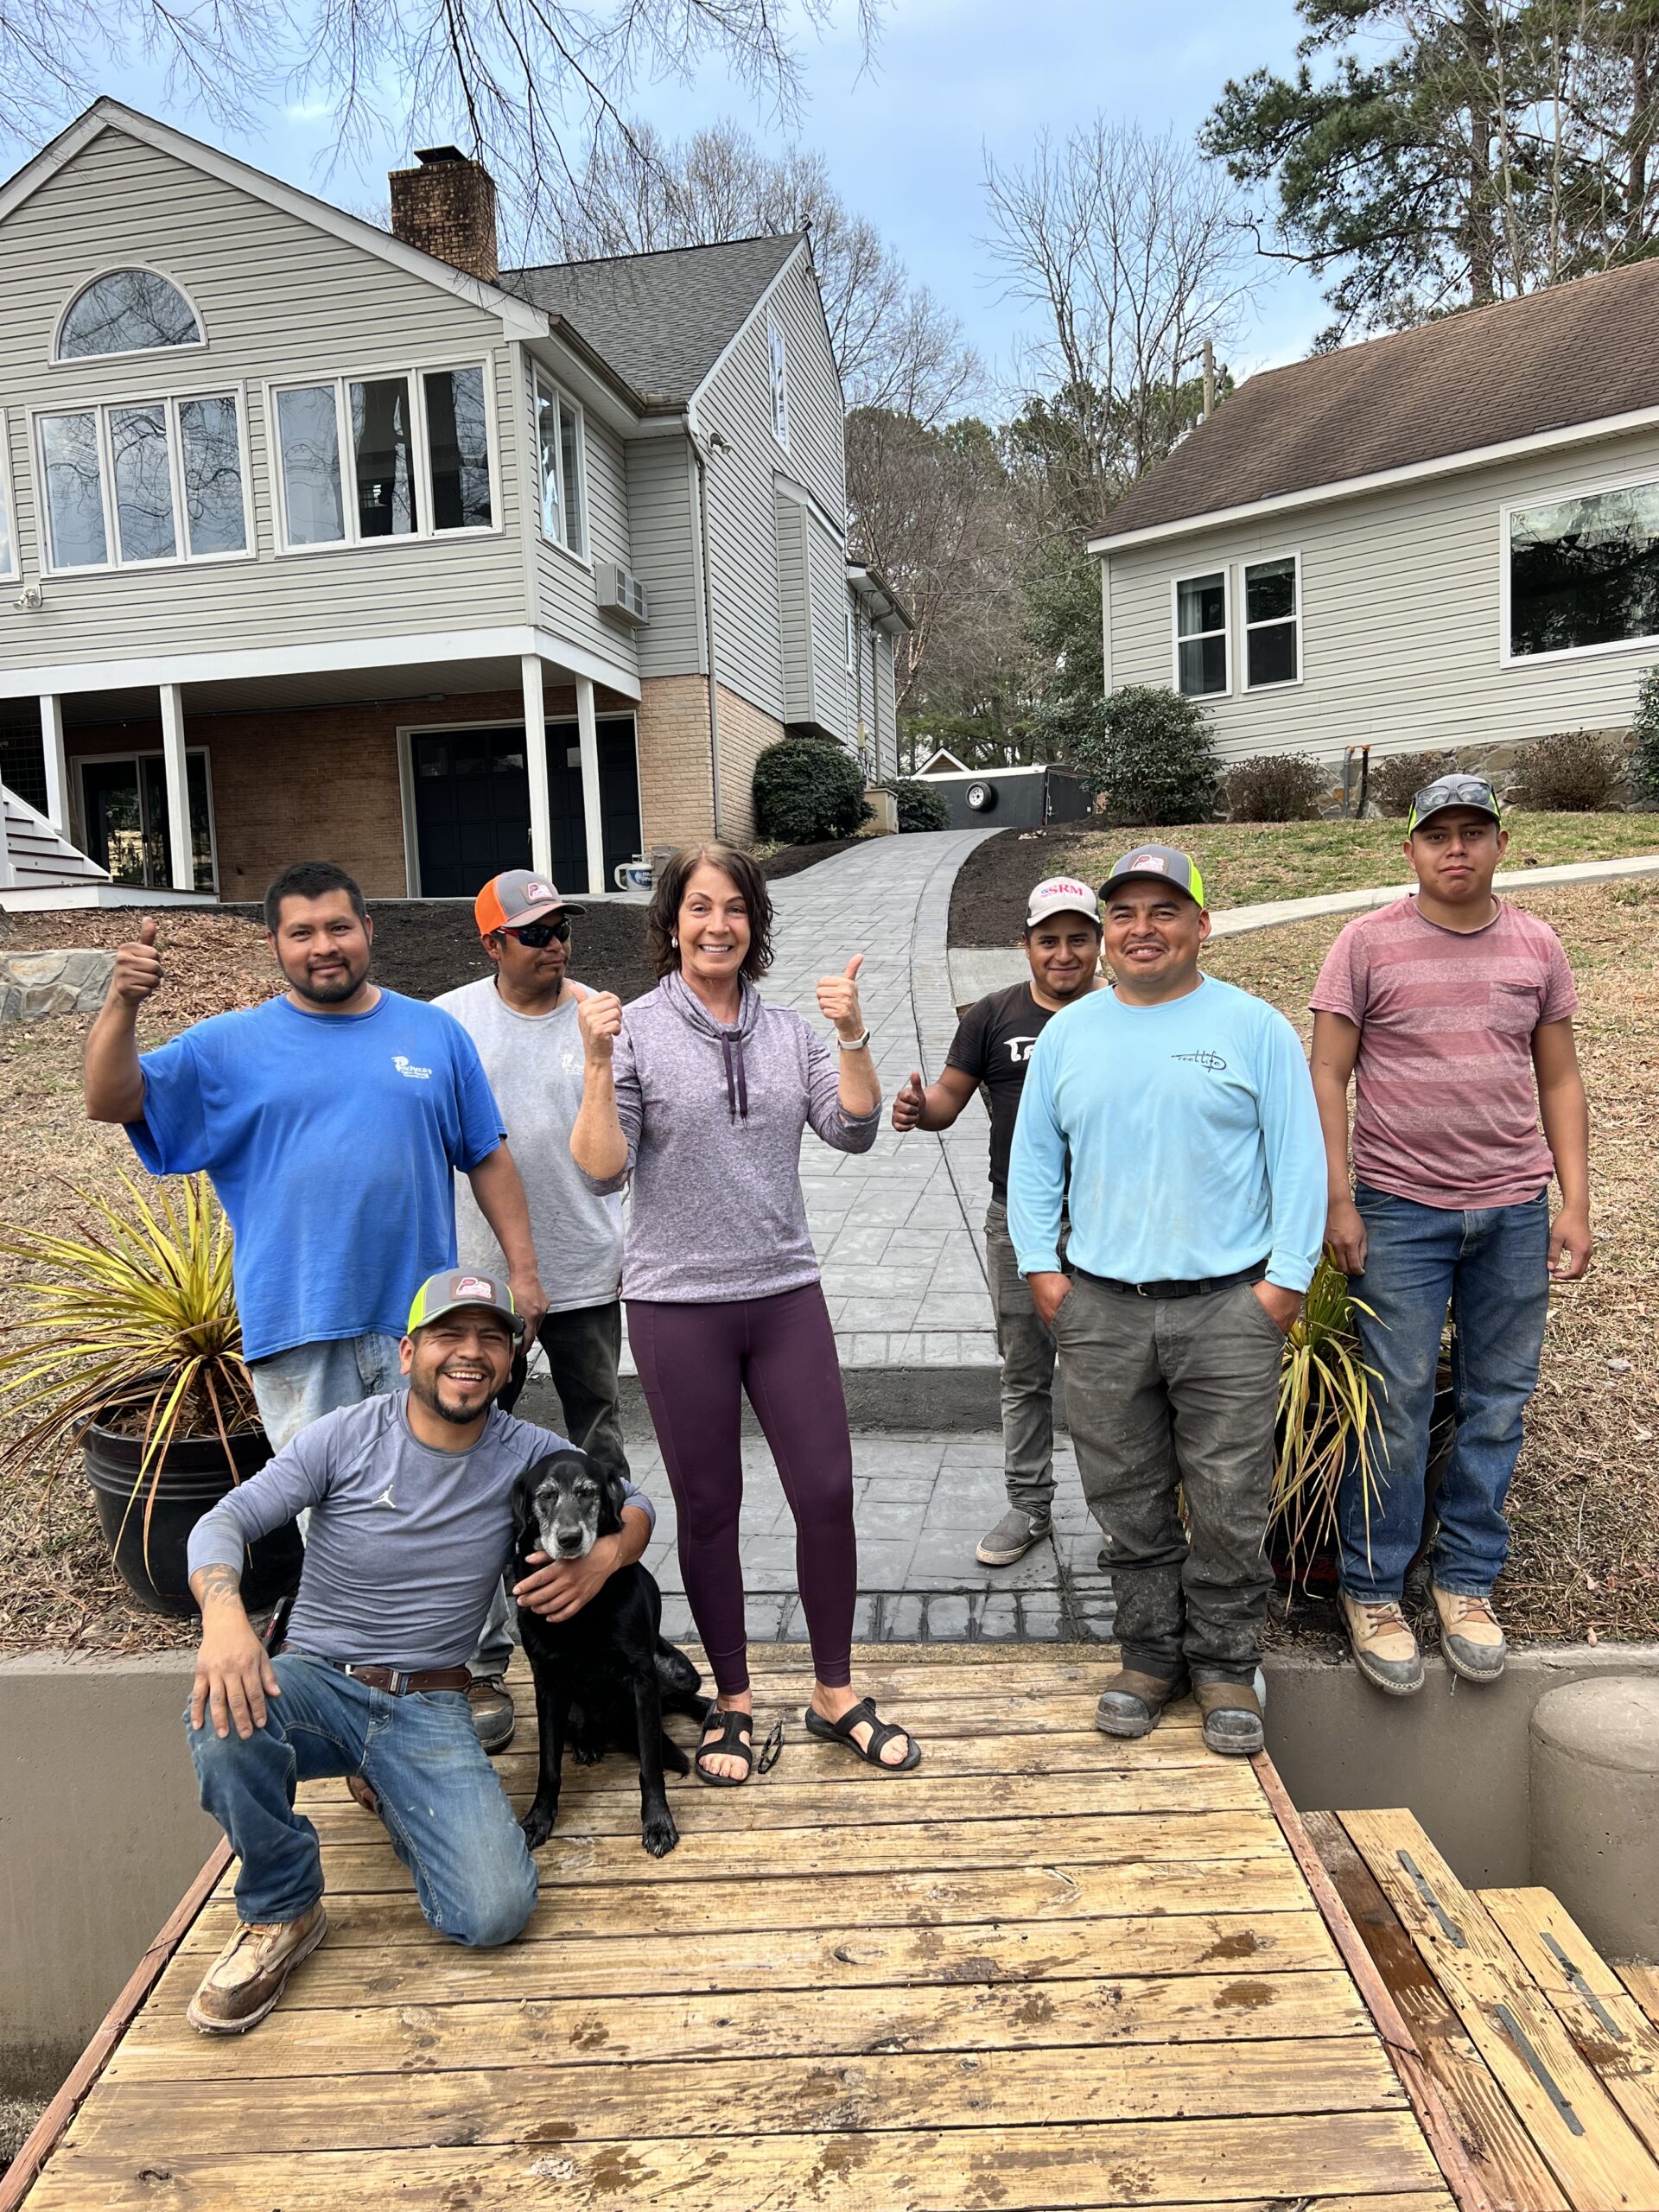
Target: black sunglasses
<point>539,935</point>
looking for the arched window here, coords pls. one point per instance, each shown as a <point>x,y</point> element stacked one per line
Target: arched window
<point>127,311</point>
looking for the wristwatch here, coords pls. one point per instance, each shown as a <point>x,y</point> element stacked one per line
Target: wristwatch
<point>853,1043</point>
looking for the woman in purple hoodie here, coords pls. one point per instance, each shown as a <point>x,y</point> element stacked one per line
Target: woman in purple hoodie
<point>700,1093</point>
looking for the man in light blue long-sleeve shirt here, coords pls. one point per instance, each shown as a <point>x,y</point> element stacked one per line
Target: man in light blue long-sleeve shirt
<point>1184,1111</point>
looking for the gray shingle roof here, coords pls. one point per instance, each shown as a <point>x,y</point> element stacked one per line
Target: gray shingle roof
<point>1577,353</point>
<point>662,319</point>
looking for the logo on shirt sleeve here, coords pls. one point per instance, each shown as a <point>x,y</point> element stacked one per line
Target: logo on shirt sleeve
<point>404,1065</point>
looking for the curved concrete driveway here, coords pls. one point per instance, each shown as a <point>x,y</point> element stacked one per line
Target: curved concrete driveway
<point>897,1228</point>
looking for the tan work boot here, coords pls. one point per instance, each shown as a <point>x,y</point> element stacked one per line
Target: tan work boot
<point>1232,1718</point>
<point>247,1977</point>
<point>493,1713</point>
<point>1470,1634</point>
<point>1385,1650</point>
<point>1132,1703</point>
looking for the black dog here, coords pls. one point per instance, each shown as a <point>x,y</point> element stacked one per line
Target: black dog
<point>607,1676</point>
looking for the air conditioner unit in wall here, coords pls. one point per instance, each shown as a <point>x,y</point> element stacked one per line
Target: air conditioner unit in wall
<point>620,592</point>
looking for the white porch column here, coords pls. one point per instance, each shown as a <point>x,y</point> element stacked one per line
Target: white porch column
<point>57,771</point>
<point>182,858</point>
<point>541,812</point>
<point>588,734</point>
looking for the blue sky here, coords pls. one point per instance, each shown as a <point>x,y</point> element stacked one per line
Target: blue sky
<point>906,141</point>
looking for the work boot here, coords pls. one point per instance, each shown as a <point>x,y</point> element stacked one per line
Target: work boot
<point>1471,1636</point>
<point>1132,1703</point>
<point>362,1795</point>
<point>247,1977</point>
<point>1232,1718</point>
<point>493,1713</point>
<point>1013,1537</point>
<point>1385,1650</point>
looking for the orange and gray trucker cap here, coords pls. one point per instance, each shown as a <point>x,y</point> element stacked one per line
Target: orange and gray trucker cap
<point>517,896</point>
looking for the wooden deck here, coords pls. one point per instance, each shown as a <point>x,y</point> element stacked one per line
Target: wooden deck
<point>1048,1971</point>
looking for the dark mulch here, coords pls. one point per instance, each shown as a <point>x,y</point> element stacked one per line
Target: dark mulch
<point>988,900</point>
<point>790,860</point>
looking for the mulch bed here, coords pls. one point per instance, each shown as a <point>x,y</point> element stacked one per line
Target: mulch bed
<point>790,860</point>
<point>988,899</point>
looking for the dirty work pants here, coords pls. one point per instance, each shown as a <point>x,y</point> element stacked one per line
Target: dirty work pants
<point>1168,1394</point>
<point>1027,1350</point>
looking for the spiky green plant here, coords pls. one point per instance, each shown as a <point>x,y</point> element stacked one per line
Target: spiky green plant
<point>1326,1400</point>
<point>133,1319</point>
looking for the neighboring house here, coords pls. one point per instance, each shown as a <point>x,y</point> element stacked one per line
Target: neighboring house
<point>324,541</point>
<point>1449,537</point>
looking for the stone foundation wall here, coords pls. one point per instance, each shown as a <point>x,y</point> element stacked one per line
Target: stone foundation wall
<point>1503,765</point>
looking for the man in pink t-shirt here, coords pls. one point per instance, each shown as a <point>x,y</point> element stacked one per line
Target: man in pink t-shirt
<point>1451,1014</point>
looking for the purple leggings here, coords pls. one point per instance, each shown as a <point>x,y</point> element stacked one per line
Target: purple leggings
<point>695,1364</point>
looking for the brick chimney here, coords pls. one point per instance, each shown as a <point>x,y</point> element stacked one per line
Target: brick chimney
<point>447,208</point>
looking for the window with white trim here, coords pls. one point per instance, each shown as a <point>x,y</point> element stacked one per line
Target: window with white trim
<point>1272,623</point>
<point>364,458</point>
<point>779,369</point>
<point>127,311</point>
<point>141,481</point>
<point>1201,655</point>
<point>561,441</point>
<point>8,542</point>
<point>1584,572</point>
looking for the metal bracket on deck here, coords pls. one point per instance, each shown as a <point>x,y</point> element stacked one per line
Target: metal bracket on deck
<point>1449,1926</point>
<point>1580,1987</point>
<point>1546,2080</point>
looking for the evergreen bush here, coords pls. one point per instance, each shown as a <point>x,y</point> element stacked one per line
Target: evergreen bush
<point>1645,733</point>
<point>1150,756</point>
<point>1277,787</point>
<point>808,790</point>
<point>920,806</point>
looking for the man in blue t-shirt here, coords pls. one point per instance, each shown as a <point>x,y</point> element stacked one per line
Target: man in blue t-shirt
<point>330,1119</point>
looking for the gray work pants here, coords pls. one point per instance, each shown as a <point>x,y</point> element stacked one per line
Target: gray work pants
<point>1027,1355</point>
<point>1168,1394</point>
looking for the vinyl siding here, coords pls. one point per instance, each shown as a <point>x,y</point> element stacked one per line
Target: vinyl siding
<point>826,579</point>
<point>887,705</point>
<point>1400,615</point>
<point>278,299</point>
<point>663,524</point>
<point>566,586</point>
<point>796,627</point>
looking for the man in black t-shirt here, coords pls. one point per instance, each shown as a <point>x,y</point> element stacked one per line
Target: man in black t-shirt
<point>993,1043</point>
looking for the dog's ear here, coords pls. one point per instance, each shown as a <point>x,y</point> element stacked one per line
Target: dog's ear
<point>526,1536</point>
<point>611,1473</point>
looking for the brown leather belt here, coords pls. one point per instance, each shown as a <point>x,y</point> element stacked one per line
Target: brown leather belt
<point>399,1684</point>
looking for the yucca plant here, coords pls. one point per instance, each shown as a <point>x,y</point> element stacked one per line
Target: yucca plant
<point>131,1325</point>
<point>1326,1400</point>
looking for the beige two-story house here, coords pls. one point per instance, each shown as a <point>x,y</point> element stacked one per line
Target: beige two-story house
<point>1445,538</point>
<point>319,540</point>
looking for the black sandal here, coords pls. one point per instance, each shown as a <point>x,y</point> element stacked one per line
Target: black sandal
<point>882,1734</point>
<point>728,1745</point>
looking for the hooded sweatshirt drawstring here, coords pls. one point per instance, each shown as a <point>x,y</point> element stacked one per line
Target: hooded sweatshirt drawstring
<point>737,1083</point>
<point>692,1011</point>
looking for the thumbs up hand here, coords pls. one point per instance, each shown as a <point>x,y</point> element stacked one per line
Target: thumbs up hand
<point>137,967</point>
<point>910,1103</point>
<point>838,1000</point>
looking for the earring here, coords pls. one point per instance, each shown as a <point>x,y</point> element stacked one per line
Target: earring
<point>675,942</point>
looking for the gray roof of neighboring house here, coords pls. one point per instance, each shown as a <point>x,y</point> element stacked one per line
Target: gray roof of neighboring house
<point>662,318</point>
<point>1575,354</point>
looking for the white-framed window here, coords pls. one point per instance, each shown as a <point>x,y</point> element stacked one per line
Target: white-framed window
<point>779,369</point>
<point>8,533</point>
<point>1581,574</point>
<point>131,482</point>
<point>1273,621</point>
<point>1202,655</point>
<point>359,459</point>
<point>561,440</point>
<point>126,311</point>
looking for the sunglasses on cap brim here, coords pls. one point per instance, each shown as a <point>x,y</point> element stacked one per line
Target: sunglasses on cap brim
<point>538,936</point>
<point>1454,791</point>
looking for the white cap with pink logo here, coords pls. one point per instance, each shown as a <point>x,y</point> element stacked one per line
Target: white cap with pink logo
<point>1062,894</point>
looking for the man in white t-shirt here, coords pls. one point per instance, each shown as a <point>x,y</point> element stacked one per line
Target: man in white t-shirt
<point>523,1021</point>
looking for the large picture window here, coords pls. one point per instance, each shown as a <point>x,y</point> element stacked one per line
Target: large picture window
<point>1272,623</point>
<point>564,489</point>
<point>365,458</point>
<point>143,481</point>
<point>1584,572</point>
<point>1201,655</point>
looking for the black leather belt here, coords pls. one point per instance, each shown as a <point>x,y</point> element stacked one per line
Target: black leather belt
<point>399,1681</point>
<point>1199,1289</point>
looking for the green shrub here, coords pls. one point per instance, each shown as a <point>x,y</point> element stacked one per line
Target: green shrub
<point>1278,787</point>
<point>1644,731</point>
<point>1150,756</point>
<point>806,791</point>
<point>1576,773</point>
<point>1397,780</point>
<point>921,807</point>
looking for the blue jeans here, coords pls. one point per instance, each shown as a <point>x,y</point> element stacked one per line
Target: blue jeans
<point>448,1820</point>
<point>1491,1267</point>
<point>298,1386</point>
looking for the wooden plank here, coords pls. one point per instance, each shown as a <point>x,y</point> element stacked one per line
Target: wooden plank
<point>1609,2028</point>
<point>851,1958</point>
<point>939,1846</point>
<point>975,1710</point>
<point>1594,2156</point>
<point>885,1801</point>
<point>780,2023</point>
<point>789,2096</point>
<point>1373,2158</point>
<point>1497,2146</point>
<point>1642,1982</point>
<point>1255,1888</point>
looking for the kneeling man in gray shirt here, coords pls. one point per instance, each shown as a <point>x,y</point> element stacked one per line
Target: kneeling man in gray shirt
<point>410,1498</point>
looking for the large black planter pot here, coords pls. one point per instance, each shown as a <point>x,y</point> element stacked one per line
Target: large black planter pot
<point>193,1475</point>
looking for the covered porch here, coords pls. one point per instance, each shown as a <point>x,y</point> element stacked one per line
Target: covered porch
<point>423,772</point>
